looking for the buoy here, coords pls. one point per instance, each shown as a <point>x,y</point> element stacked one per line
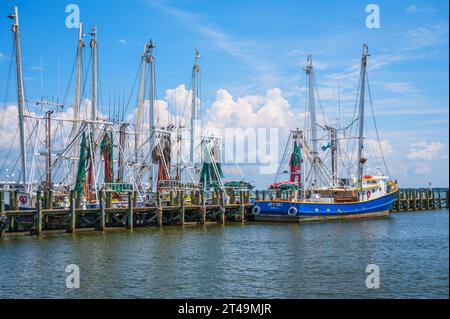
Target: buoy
<point>256,210</point>
<point>292,211</point>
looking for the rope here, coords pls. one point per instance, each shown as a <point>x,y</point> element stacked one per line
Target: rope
<point>376,128</point>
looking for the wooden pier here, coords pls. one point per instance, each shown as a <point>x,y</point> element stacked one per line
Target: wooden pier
<point>176,211</point>
<point>409,199</point>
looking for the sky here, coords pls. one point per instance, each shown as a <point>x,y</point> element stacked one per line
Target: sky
<point>252,58</point>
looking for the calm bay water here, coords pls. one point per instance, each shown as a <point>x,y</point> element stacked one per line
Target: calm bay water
<point>322,260</point>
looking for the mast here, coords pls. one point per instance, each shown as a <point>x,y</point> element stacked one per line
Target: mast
<point>195,112</point>
<point>145,59</point>
<point>334,159</point>
<point>362,160</point>
<point>76,107</point>
<point>20,94</point>
<point>312,110</point>
<point>152,97</point>
<point>94,74</point>
<point>93,45</point>
<point>48,162</point>
<point>152,92</point>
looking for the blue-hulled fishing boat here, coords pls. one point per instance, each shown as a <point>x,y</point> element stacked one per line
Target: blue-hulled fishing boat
<point>318,192</point>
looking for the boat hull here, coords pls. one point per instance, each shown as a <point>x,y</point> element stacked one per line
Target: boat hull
<point>278,210</point>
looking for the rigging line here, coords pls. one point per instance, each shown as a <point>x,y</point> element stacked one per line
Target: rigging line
<point>84,84</point>
<point>69,83</point>
<point>132,90</point>
<point>376,128</point>
<point>186,109</point>
<point>2,121</point>
<point>99,81</point>
<point>354,114</point>
<point>318,99</point>
<point>284,154</point>
<point>9,151</point>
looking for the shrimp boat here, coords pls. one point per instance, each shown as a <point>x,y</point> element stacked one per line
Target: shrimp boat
<point>90,151</point>
<point>317,192</point>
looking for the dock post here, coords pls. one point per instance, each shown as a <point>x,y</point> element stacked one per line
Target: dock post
<point>73,214</point>
<point>16,200</point>
<point>264,196</point>
<point>242,208</point>
<point>406,201</point>
<point>171,198</point>
<point>2,202</point>
<point>78,200</point>
<point>2,212</point>
<point>439,200</point>
<point>130,211</point>
<point>446,200</point>
<point>203,206</point>
<point>433,199</point>
<point>233,197</point>
<point>182,209</point>
<point>397,200</point>
<point>415,207</point>
<point>420,200</point>
<point>50,199</point>
<point>108,199</point>
<point>427,199</point>
<point>39,213</point>
<point>101,198</point>
<point>222,208</point>
<point>159,219</point>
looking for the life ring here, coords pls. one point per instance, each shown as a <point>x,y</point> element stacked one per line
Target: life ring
<point>23,199</point>
<point>368,194</point>
<point>292,211</point>
<point>256,210</point>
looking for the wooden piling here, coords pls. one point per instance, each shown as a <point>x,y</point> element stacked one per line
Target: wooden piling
<point>159,218</point>
<point>222,208</point>
<point>439,200</point>
<point>203,207</point>
<point>397,201</point>
<point>130,211</point>
<point>2,212</point>
<point>446,200</point>
<point>16,200</point>
<point>405,200</point>
<point>73,214</point>
<point>78,200</point>
<point>39,213</point>
<point>50,199</point>
<point>108,199</point>
<point>242,208</point>
<point>182,208</point>
<point>420,200</point>
<point>101,197</point>
<point>233,197</point>
<point>433,199</point>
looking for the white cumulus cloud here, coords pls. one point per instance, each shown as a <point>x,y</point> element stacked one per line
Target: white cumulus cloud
<point>425,151</point>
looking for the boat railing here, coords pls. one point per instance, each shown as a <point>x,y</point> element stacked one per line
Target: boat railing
<point>175,184</point>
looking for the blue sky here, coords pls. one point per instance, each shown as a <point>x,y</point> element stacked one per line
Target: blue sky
<point>250,47</point>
